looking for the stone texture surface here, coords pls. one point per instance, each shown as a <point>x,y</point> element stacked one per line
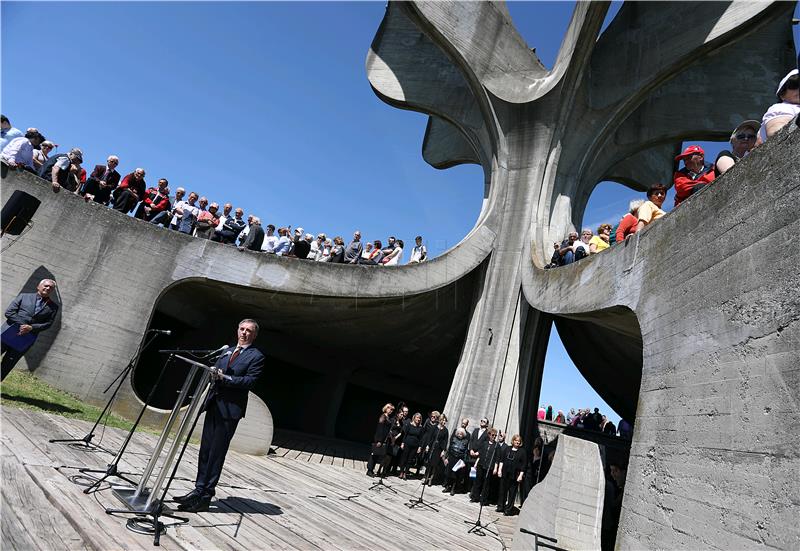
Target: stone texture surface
<point>568,503</point>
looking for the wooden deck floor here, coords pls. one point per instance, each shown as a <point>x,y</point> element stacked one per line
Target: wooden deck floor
<point>291,500</point>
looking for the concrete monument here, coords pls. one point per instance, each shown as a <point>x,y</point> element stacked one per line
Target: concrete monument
<point>691,328</point>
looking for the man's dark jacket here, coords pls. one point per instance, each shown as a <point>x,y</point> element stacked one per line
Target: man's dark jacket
<point>231,396</point>
<point>22,311</point>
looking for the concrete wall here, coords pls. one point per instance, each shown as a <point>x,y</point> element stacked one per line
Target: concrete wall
<point>568,503</point>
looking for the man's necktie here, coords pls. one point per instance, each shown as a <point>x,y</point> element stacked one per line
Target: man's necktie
<point>234,355</point>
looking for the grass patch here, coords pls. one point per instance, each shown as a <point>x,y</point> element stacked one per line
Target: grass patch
<point>23,390</point>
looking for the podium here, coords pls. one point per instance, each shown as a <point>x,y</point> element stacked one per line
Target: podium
<point>147,501</point>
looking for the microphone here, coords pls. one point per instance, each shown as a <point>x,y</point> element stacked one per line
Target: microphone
<point>222,348</point>
<point>161,331</point>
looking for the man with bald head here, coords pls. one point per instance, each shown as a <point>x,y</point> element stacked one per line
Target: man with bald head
<point>28,315</point>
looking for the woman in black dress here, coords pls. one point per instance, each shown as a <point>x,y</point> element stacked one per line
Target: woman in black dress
<point>380,438</point>
<point>390,460</point>
<point>411,445</point>
<point>511,472</point>
<point>435,446</point>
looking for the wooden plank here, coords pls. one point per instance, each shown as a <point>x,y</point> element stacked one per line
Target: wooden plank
<point>34,516</point>
<point>268,502</point>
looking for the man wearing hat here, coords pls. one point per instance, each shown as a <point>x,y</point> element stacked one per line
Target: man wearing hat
<point>694,175</point>
<point>64,170</point>
<point>779,114</point>
<point>743,139</point>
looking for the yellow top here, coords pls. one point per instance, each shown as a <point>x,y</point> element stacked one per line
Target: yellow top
<point>649,212</point>
<point>598,241</point>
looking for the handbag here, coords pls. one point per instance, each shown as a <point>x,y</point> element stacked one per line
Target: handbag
<point>378,449</point>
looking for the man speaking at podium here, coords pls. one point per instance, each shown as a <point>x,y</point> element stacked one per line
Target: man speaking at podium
<point>235,373</point>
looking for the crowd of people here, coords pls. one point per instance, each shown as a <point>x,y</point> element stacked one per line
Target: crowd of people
<point>693,176</point>
<point>484,463</point>
<point>189,214</point>
<point>588,420</point>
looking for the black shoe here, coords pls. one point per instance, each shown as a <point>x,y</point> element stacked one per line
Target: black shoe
<point>498,510</point>
<point>197,505</point>
<point>186,498</point>
<point>370,473</point>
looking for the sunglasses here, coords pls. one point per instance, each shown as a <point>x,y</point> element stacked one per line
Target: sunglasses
<point>743,137</point>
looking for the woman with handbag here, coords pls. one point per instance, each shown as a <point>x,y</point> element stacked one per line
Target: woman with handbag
<point>380,438</point>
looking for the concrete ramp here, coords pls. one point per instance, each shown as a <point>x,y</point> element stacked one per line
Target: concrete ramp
<point>568,504</point>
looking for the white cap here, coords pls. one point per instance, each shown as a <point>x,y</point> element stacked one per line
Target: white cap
<point>784,80</point>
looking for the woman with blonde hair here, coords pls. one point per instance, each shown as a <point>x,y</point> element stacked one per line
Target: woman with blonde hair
<point>511,471</point>
<point>380,438</point>
<point>602,240</point>
<point>411,445</point>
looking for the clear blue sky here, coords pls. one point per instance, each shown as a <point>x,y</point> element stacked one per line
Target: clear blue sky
<point>264,105</point>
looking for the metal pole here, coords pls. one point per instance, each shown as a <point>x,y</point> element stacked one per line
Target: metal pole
<point>151,465</point>
<point>186,424</point>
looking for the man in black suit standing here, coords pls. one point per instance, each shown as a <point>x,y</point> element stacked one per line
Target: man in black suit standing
<point>235,374</point>
<point>28,315</point>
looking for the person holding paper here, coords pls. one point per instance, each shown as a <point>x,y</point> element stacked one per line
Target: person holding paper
<point>456,467</point>
<point>28,315</point>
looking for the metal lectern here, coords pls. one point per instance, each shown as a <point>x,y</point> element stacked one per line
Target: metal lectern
<point>147,501</point>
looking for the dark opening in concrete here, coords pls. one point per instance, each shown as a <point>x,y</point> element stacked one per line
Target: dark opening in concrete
<point>332,362</point>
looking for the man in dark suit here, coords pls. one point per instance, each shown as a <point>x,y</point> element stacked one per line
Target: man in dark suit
<point>235,374</point>
<point>255,237</point>
<point>28,315</point>
<point>103,180</point>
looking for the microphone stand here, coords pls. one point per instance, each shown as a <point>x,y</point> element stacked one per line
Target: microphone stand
<point>120,379</point>
<point>379,485</point>
<point>478,528</point>
<point>419,501</point>
<point>111,469</point>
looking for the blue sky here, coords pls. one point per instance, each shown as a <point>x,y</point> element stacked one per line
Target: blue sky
<point>265,105</point>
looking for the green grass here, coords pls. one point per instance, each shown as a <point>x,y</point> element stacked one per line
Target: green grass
<point>23,390</point>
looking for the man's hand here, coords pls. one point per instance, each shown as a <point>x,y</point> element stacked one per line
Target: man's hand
<point>519,478</point>
<point>24,329</point>
<point>216,374</point>
<point>56,187</point>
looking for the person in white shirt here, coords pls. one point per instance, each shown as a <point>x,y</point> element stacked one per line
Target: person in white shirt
<point>394,257</point>
<point>326,251</point>
<point>779,114</point>
<point>270,239</point>
<point>19,151</point>
<point>226,213</point>
<point>419,253</point>
<point>586,236</point>
<point>316,247</point>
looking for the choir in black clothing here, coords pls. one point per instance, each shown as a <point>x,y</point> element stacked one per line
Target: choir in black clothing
<point>401,443</point>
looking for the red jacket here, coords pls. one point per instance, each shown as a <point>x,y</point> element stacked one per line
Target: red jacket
<point>687,183</point>
<point>139,186</point>
<point>627,226</point>
<point>156,201</point>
